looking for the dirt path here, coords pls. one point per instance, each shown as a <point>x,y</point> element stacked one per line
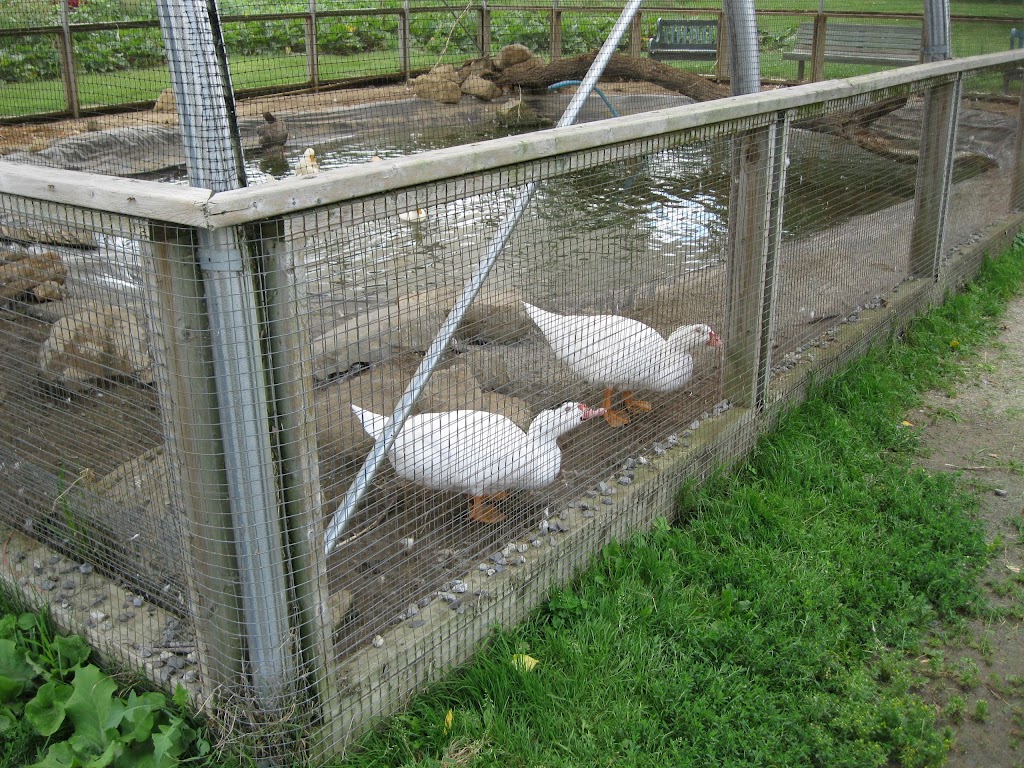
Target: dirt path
<point>977,678</point>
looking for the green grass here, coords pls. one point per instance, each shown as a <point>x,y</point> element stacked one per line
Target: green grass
<point>775,624</point>
<point>145,84</point>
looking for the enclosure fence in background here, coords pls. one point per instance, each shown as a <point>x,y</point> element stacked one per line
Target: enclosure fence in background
<point>675,280</point>
<point>86,85</point>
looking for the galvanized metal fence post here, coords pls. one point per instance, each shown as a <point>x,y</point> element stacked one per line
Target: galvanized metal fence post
<point>205,106</point>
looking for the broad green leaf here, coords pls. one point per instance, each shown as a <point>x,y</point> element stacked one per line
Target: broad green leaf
<point>8,719</point>
<point>70,651</point>
<point>47,709</point>
<point>139,717</point>
<point>171,741</point>
<point>91,708</point>
<point>28,621</point>
<point>59,755</point>
<point>113,749</point>
<point>7,626</point>
<point>15,671</point>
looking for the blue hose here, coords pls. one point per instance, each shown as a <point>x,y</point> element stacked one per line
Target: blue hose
<point>597,90</point>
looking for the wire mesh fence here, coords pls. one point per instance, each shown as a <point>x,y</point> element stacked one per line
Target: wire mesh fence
<point>192,381</point>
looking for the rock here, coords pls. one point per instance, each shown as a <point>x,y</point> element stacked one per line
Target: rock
<point>516,112</point>
<point>102,342</point>
<point>510,55</point>
<point>26,274</point>
<point>165,101</point>
<point>433,87</point>
<point>485,90</point>
<point>48,291</point>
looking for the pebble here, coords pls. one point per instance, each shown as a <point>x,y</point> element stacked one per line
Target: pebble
<point>448,597</point>
<point>518,560</point>
<point>499,567</point>
<point>483,567</point>
<point>455,605</point>
<point>625,480</point>
<point>458,586</point>
<point>177,662</point>
<point>85,568</point>
<point>588,515</point>
<point>545,527</point>
<point>68,584</point>
<point>628,464</point>
<point>1001,492</point>
<point>659,449</point>
<point>417,624</point>
<point>137,602</point>
<point>47,585</point>
<point>605,489</point>
<point>423,602</point>
<point>522,547</point>
<point>642,461</point>
<point>694,426</point>
<point>378,641</point>
<point>411,610</point>
<point>607,502</point>
<point>189,677</point>
<point>407,543</point>
<point>535,542</point>
<point>145,653</point>
<point>490,571</point>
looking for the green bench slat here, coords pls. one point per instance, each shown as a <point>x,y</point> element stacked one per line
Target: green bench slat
<point>678,39</point>
<point>860,44</point>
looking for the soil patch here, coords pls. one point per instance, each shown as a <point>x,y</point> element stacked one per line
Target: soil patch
<point>977,678</point>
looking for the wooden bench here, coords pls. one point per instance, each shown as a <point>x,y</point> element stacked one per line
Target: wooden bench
<point>893,46</point>
<point>684,40</point>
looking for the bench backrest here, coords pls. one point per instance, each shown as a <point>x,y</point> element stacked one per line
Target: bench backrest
<point>679,33</point>
<point>863,37</point>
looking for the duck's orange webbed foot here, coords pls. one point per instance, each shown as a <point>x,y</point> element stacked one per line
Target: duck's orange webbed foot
<point>633,404</point>
<point>613,417</point>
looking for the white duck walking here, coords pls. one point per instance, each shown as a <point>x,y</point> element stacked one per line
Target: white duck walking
<point>480,453</point>
<point>621,353</point>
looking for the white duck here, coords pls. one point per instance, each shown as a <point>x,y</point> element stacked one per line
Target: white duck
<point>480,453</point>
<point>621,353</point>
<point>308,165</point>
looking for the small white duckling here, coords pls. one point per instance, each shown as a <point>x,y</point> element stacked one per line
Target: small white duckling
<point>308,165</point>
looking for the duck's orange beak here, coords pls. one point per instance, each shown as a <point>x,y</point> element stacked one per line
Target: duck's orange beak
<point>589,413</point>
<point>713,340</point>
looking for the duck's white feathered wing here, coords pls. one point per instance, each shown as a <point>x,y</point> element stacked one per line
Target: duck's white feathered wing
<point>470,451</point>
<point>610,350</point>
